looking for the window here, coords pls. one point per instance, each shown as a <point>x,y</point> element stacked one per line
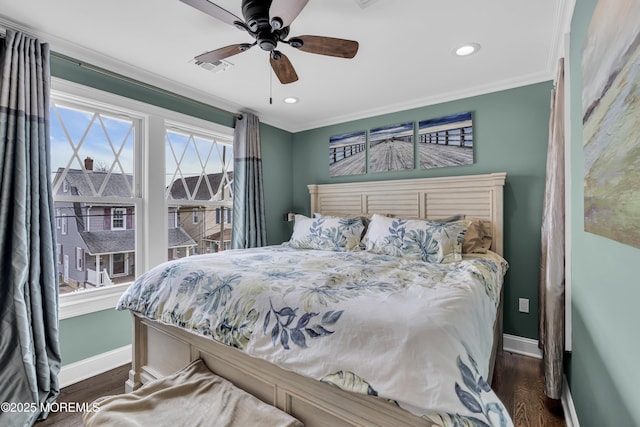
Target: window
<point>95,151</point>
<point>99,145</point>
<point>199,167</point>
<point>118,216</point>
<point>79,259</point>
<point>119,264</point>
<point>223,214</point>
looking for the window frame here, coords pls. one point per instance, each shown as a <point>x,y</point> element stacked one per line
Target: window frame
<point>150,202</point>
<point>115,216</point>
<point>222,138</point>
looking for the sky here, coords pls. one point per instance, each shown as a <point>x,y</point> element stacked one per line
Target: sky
<point>105,138</point>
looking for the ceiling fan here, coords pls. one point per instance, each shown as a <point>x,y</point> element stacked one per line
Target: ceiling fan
<point>268,21</point>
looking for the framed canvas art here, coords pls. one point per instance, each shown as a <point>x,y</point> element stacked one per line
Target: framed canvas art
<point>347,154</point>
<point>445,141</point>
<point>391,148</point>
<point>611,107</point>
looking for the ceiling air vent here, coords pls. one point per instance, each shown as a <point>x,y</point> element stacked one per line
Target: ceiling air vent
<point>214,67</point>
<point>365,3</point>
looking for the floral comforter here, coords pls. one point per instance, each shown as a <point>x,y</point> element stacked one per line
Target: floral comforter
<point>412,332</point>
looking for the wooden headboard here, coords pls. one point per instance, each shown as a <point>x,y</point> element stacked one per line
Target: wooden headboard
<point>478,196</point>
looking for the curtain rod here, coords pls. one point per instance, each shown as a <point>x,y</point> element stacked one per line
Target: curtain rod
<point>126,79</point>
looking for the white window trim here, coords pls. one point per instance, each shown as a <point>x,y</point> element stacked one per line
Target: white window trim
<point>151,211</point>
<point>194,214</point>
<point>89,301</point>
<point>114,211</point>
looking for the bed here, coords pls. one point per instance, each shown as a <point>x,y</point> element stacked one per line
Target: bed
<point>297,339</point>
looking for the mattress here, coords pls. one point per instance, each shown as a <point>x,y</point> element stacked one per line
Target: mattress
<point>416,333</point>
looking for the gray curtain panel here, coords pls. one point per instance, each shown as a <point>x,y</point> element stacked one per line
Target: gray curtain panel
<point>552,278</point>
<point>249,230</point>
<point>29,350</point>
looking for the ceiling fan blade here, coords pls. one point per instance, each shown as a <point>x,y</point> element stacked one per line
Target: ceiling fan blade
<point>327,46</point>
<point>214,10</point>
<point>283,68</point>
<point>224,52</point>
<point>286,10</point>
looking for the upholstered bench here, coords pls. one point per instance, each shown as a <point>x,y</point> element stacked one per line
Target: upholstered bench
<point>193,396</point>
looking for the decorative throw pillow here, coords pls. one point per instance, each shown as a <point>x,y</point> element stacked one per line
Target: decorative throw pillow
<point>478,238</point>
<point>431,241</point>
<point>326,233</point>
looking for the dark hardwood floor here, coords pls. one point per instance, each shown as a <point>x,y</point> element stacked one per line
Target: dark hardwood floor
<point>518,381</point>
<point>108,383</point>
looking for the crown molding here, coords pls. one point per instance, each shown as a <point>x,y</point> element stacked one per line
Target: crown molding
<point>97,59</point>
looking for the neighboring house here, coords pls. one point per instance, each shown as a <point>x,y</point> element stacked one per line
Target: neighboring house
<point>210,226</point>
<point>96,241</point>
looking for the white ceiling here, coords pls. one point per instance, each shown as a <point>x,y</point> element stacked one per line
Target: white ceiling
<point>405,58</point>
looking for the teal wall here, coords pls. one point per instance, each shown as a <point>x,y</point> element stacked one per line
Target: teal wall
<point>510,134</point>
<point>85,336</point>
<point>510,129</point>
<point>603,368</point>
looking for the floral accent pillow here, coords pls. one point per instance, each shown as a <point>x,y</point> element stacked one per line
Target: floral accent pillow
<point>327,233</point>
<point>431,241</point>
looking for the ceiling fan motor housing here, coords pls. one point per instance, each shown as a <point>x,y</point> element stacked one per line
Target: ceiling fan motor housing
<point>267,33</point>
<point>256,14</point>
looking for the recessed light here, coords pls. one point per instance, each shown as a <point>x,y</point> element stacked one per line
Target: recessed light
<point>291,100</point>
<point>467,49</point>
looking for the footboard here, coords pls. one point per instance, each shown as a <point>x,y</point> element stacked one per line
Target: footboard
<point>312,402</point>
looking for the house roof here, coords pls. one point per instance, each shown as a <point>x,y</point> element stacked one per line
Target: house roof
<point>109,242</point>
<point>216,236</point>
<point>177,190</point>
<point>118,184</point>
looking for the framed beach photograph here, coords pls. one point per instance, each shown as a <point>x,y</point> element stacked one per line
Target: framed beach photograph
<point>348,154</point>
<point>611,107</point>
<point>445,141</point>
<point>391,148</point>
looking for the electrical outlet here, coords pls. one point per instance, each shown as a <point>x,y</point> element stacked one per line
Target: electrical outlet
<point>523,305</point>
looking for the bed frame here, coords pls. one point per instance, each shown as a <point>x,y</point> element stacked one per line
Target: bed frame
<point>160,350</point>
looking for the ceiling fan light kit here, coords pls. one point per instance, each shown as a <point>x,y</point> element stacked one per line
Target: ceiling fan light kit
<point>268,22</point>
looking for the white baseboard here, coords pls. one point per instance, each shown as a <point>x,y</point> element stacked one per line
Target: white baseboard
<point>87,368</point>
<point>521,345</point>
<point>570,415</point>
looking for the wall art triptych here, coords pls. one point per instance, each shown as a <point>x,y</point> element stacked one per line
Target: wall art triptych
<point>430,143</point>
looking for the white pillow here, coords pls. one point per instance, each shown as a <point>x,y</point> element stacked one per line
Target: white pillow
<point>431,241</point>
<point>326,233</point>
